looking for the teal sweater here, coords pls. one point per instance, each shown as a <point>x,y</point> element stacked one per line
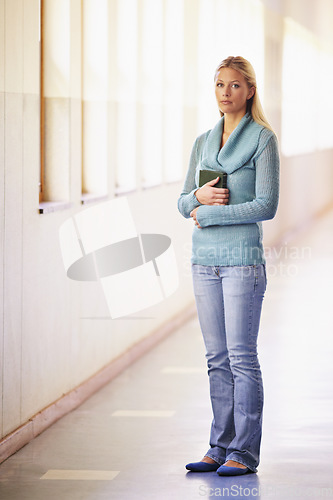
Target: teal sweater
<point>231,235</point>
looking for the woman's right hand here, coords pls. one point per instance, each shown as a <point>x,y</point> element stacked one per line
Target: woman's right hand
<point>209,195</point>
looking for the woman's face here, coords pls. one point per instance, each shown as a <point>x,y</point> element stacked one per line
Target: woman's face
<point>232,91</point>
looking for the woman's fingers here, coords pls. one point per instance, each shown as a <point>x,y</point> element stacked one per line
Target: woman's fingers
<point>220,196</point>
<point>193,214</point>
<point>208,195</point>
<point>220,191</point>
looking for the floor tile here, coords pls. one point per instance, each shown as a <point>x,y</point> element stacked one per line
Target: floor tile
<point>183,369</point>
<point>80,475</point>
<point>143,413</point>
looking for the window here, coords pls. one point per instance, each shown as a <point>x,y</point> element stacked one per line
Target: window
<point>173,91</point>
<point>55,102</point>
<point>307,69</point>
<point>126,68</point>
<point>298,131</point>
<point>95,81</point>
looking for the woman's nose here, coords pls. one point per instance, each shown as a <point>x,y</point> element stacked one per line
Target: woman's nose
<point>226,90</point>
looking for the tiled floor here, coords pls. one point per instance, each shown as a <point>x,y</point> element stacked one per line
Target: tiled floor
<point>132,439</point>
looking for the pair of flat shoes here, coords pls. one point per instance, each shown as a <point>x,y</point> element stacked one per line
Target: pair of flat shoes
<point>222,470</point>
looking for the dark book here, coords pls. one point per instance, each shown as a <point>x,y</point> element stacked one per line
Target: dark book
<point>209,175</point>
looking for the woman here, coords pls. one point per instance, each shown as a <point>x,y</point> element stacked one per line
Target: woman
<point>228,264</point>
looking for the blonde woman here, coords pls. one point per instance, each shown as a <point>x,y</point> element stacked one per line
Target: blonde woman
<point>228,263</point>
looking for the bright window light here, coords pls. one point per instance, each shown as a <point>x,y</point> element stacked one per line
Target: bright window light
<point>56,62</point>
<point>173,90</point>
<point>95,95</point>
<point>298,111</point>
<point>307,66</point>
<point>152,92</point>
<point>95,49</point>
<point>325,109</point>
<point>207,62</point>
<point>126,71</point>
<point>227,28</point>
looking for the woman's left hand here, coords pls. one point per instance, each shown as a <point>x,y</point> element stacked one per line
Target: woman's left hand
<point>193,214</point>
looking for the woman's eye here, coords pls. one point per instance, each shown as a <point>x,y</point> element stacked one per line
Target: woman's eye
<point>219,85</point>
<point>236,85</point>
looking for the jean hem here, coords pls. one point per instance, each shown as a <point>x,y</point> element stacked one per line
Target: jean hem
<point>216,459</point>
<point>240,461</point>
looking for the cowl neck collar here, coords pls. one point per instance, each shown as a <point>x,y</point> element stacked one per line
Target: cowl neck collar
<point>239,148</point>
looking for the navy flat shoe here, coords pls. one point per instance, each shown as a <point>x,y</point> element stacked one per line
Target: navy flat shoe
<point>202,467</point>
<point>224,470</point>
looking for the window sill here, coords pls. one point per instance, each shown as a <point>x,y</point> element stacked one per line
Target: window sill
<point>87,198</point>
<point>125,190</point>
<point>47,207</point>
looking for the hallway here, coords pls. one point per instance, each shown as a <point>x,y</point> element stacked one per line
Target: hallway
<point>133,438</point>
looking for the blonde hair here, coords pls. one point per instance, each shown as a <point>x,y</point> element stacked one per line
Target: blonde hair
<point>245,68</point>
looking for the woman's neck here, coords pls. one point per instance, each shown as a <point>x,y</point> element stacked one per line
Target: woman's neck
<point>231,121</point>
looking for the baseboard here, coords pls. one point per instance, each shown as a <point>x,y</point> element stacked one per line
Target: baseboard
<point>68,402</point>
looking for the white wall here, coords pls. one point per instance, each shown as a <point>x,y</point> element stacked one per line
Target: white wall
<point>47,344</point>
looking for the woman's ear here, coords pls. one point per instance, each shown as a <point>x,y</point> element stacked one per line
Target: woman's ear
<point>251,92</point>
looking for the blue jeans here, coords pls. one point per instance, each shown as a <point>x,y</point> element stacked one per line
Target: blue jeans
<point>229,301</point>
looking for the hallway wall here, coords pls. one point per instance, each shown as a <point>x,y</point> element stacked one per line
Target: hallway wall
<point>48,342</point>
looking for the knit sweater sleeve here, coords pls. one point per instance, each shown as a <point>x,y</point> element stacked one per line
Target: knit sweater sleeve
<point>187,200</point>
<point>265,203</point>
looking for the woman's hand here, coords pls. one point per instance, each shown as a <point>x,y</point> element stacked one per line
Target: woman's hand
<point>193,214</point>
<point>209,195</point>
